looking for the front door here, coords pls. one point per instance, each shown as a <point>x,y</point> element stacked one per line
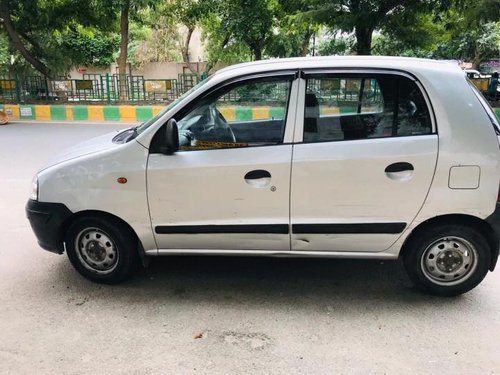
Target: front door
<point>228,185</point>
<point>363,162</point>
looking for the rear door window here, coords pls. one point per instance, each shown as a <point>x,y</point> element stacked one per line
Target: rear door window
<point>343,107</point>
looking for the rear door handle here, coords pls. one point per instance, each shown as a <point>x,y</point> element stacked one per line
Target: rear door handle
<point>399,167</point>
<point>258,178</point>
<point>257,174</point>
<point>401,171</point>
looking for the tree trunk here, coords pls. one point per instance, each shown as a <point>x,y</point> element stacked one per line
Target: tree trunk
<point>17,43</point>
<point>122,58</point>
<point>304,49</point>
<point>478,57</point>
<point>257,52</point>
<point>185,50</point>
<point>363,39</point>
<point>476,62</point>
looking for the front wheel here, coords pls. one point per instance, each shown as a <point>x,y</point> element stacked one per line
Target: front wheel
<point>447,260</point>
<point>102,250</point>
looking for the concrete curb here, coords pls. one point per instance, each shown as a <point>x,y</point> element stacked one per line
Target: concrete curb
<point>68,123</point>
<point>73,113</point>
<point>122,113</point>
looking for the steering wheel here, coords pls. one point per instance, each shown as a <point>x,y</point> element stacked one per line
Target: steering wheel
<point>222,130</point>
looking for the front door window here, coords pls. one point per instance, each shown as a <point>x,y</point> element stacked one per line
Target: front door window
<point>245,114</point>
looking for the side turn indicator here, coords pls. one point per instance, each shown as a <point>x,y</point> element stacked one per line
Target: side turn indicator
<point>121,180</point>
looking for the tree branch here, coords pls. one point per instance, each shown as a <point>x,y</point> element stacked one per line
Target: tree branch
<point>17,43</point>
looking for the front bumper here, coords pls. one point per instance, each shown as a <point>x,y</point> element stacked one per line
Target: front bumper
<point>46,220</point>
<point>494,221</point>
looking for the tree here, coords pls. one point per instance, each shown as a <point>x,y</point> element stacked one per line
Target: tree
<point>126,9</point>
<point>248,21</point>
<point>237,30</point>
<point>363,17</point>
<point>416,34</point>
<point>153,40</point>
<point>6,11</point>
<point>338,44</point>
<point>292,33</point>
<point>35,27</point>
<point>4,54</point>
<point>473,44</point>
<point>89,47</point>
<point>124,30</point>
<point>220,46</point>
<point>187,14</point>
<point>481,34</point>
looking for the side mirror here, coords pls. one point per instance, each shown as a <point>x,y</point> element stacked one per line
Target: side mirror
<point>171,136</point>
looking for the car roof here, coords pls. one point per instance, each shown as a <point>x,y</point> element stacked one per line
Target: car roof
<point>409,64</point>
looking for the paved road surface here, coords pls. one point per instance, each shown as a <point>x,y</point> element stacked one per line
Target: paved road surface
<point>220,315</point>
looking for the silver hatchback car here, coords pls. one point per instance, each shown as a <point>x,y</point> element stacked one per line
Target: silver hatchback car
<point>353,157</point>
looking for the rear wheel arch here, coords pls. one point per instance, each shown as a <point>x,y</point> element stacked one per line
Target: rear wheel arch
<point>468,220</point>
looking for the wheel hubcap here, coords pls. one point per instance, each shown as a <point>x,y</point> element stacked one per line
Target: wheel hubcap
<point>96,250</point>
<point>449,260</point>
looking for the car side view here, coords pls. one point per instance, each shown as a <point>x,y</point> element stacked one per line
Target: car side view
<point>347,157</point>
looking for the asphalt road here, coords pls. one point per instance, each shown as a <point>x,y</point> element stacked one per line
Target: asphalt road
<point>216,315</point>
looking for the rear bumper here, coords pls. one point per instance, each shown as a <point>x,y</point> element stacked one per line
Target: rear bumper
<point>46,220</point>
<point>494,221</point>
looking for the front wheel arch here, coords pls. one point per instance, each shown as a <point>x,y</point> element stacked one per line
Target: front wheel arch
<point>105,215</point>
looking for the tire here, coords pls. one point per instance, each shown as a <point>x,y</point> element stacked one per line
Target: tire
<point>447,260</point>
<point>102,250</point>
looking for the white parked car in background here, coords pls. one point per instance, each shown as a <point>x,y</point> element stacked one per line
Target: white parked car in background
<point>352,157</point>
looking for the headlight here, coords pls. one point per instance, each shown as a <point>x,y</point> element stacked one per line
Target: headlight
<point>34,189</point>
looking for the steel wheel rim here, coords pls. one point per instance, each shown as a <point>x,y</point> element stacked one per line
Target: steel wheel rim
<point>96,250</point>
<point>449,261</point>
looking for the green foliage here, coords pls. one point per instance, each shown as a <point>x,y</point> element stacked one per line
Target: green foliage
<point>240,30</point>
<point>186,12</point>
<point>472,44</point>
<point>237,30</point>
<point>462,32</point>
<point>338,44</point>
<point>153,40</point>
<point>291,33</point>
<point>88,47</point>
<point>416,34</point>
<point>363,17</point>
<point>4,54</point>
<point>45,28</point>
<point>220,47</point>
<point>248,21</point>
<point>61,34</point>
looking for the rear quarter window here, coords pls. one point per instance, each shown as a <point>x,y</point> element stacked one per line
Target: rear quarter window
<point>487,108</point>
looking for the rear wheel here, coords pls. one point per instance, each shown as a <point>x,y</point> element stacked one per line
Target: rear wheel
<point>447,260</point>
<point>102,250</point>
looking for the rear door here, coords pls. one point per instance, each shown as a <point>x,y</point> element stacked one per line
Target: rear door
<point>363,162</point>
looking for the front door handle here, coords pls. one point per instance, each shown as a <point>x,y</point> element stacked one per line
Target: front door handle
<point>258,178</point>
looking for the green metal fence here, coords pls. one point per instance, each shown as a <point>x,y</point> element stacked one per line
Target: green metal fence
<point>99,88</point>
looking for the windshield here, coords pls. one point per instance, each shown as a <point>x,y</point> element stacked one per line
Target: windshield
<point>151,121</point>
